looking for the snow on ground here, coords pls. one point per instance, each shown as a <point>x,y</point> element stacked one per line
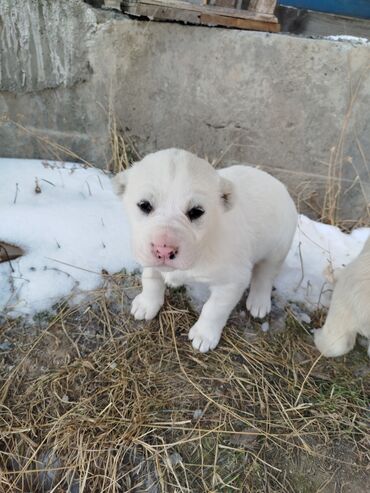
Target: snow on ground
<point>71,231</point>
<point>345,37</point>
<point>76,227</point>
<point>318,253</point>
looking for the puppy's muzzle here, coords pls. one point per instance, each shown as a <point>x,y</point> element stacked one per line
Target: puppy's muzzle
<point>164,252</point>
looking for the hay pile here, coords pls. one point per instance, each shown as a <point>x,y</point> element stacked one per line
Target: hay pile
<point>93,401</point>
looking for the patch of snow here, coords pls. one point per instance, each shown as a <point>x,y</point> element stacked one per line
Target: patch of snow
<point>351,39</point>
<point>72,230</point>
<point>265,327</point>
<point>318,252</point>
<point>75,227</point>
<point>300,315</point>
<point>198,413</point>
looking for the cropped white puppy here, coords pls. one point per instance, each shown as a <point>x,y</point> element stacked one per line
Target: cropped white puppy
<point>349,311</point>
<point>190,223</point>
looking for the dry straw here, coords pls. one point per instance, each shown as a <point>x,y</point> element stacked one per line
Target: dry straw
<point>135,408</point>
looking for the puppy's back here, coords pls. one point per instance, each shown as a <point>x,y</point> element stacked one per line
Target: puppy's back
<point>264,205</point>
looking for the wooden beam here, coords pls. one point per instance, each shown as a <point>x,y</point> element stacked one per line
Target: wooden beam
<point>254,25</point>
<point>201,14</point>
<point>224,3</point>
<point>262,6</point>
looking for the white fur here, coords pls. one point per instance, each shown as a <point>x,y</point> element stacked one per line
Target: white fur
<point>242,239</point>
<point>349,311</point>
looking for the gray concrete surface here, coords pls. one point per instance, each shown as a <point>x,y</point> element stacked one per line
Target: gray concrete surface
<point>273,100</point>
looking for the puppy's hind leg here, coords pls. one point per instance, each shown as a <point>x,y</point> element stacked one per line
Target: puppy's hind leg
<point>338,335</point>
<point>263,276</point>
<point>332,345</point>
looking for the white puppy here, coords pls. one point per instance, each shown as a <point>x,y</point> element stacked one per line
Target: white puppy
<point>190,223</point>
<point>349,311</point>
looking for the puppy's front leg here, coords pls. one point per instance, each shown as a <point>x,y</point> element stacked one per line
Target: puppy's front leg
<point>147,304</point>
<point>206,332</point>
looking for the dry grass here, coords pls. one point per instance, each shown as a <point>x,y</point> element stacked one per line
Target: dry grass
<point>134,408</point>
<point>334,192</point>
<point>47,146</point>
<point>343,175</point>
<point>124,151</point>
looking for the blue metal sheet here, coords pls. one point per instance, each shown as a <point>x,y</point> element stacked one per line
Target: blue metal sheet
<point>353,8</point>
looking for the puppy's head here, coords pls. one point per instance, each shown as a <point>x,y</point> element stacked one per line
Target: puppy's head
<point>174,201</point>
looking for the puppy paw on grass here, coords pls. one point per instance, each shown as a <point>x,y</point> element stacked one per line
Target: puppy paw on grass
<point>144,308</point>
<point>204,337</point>
<point>259,305</point>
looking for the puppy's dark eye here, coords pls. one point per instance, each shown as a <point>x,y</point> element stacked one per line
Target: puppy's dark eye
<point>195,212</point>
<point>145,206</point>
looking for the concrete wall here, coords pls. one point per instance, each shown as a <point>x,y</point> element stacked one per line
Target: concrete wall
<point>277,101</point>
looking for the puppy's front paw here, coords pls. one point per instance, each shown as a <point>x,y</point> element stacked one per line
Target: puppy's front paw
<point>143,308</point>
<point>204,338</point>
<point>258,304</point>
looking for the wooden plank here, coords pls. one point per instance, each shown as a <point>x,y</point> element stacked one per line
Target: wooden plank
<point>135,7</point>
<point>194,14</point>
<point>162,13</point>
<point>262,6</point>
<point>232,4</point>
<point>9,252</point>
<point>217,20</point>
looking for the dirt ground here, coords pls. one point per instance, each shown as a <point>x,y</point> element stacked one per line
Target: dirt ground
<point>94,401</point>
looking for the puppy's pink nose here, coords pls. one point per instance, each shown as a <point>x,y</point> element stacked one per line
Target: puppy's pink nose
<point>164,252</point>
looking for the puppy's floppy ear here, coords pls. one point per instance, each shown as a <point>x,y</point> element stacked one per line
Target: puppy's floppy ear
<point>227,193</point>
<point>119,182</point>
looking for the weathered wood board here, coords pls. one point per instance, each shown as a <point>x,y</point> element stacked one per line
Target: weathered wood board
<point>171,10</point>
